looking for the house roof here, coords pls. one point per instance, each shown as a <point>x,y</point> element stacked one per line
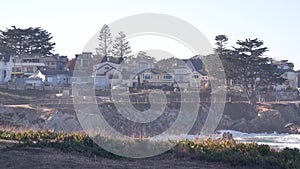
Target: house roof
<point>287,70</point>
<point>107,63</point>
<point>279,61</point>
<point>29,56</point>
<point>71,64</point>
<point>202,72</point>
<point>113,66</point>
<point>197,63</point>
<point>104,73</point>
<point>152,70</point>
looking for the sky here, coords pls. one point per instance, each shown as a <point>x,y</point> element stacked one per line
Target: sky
<point>73,22</point>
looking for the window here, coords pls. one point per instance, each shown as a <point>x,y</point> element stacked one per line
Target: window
<point>29,69</point>
<point>147,76</point>
<point>167,77</point>
<point>113,76</point>
<point>195,76</point>
<point>106,67</point>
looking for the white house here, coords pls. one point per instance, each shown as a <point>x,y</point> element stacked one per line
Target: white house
<point>291,76</point>
<point>5,68</point>
<point>105,74</point>
<point>27,65</point>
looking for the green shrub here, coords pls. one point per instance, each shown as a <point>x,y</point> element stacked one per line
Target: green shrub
<point>236,154</point>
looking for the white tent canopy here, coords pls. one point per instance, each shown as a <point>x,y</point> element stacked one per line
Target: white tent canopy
<point>38,74</point>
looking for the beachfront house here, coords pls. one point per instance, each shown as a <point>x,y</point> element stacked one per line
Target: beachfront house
<point>155,77</point>
<point>105,74</point>
<point>5,68</point>
<point>26,65</point>
<point>57,77</point>
<point>291,76</point>
<point>56,62</point>
<point>198,77</point>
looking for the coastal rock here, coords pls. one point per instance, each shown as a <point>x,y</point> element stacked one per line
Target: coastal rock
<point>268,120</point>
<point>240,125</point>
<point>238,111</point>
<point>271,115</point>
<point>237,116</point>
<point>59,121</point>
<point>38,119</point>
<point>293,128</point>
<point>290,112</point>
<point>226,136</point>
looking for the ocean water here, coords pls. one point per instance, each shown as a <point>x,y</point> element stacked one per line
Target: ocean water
<point>275,140</point>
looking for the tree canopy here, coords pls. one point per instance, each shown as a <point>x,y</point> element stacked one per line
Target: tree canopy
<point>121,47</point>
<point>221,41</point>
<point>246,65</point>
<point>29,41</point>
<point>105,42</point>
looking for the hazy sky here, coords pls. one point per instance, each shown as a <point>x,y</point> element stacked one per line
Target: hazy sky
<point>73,23</point>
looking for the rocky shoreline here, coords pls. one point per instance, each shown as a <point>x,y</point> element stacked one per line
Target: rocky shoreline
<point>276,117</point>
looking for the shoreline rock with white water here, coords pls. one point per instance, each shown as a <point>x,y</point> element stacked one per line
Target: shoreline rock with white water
<point>237,116</point>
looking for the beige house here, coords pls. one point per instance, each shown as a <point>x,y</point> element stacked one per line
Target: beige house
<point>155,77</point>
<point>198,80</point>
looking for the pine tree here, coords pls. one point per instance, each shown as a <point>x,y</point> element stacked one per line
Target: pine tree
<point>221,41</point>
<point>30,41</point>
<point>121,47</point>
<point>225,56</point>
<point>105,43</point>
<point>253,71</point>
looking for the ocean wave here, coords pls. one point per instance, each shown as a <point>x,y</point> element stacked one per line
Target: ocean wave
<point>275,140</point>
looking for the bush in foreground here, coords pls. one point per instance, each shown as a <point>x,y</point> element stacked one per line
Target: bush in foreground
<point>237,154</point>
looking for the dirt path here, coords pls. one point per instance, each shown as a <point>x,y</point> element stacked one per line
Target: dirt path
<point>27,157</point>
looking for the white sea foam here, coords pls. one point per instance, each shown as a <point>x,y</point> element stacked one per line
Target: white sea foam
<point>277,141</point>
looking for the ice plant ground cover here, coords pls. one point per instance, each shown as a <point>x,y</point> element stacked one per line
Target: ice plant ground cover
<point>234,153</point>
